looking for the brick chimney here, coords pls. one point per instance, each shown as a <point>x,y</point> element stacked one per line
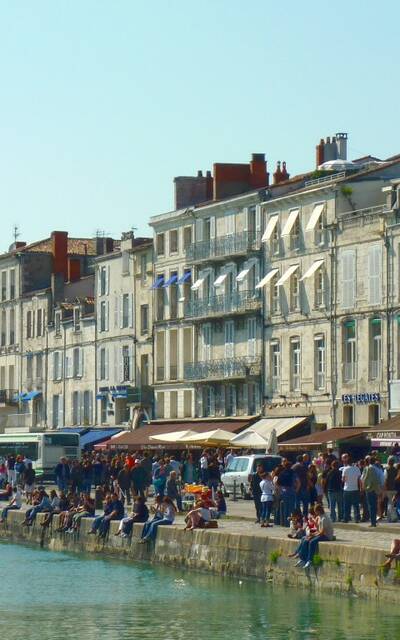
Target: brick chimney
<point>59,242</point>
<point>278,173</point>
<point>259,177</point>
<point>191,190</point>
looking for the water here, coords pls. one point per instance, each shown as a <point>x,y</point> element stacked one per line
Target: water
<point>51,596</point>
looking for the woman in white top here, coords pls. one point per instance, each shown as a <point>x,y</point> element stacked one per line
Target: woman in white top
<point>15,503</point>
<point>267,498</point>
<point>169,513</point>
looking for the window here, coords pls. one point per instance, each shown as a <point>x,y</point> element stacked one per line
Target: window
<point>319,296</point>
<point>57,322</point>
<point>39,322</point>
<point>77,362</point>
<point>294,293</point>
<point>348,279</point>
<point>57,365</point>
<point>103,364</point>
<point>29,326</point>
<point>56,411</point>
<point>375,274</point>
<point>208,401</point>
<point>87,407</point>
<point>125,311</point>
<point>29,368</point>
<point>160,242</point>
<point>374,414</point>
<point>173,241</point>
<point>295,364</point>
<point>160,404</point>
<point>275,241</point>
<point>173,404</point>
<point>349,350</point>
<point>125,263</point>
<point>251,337</point>
<point>143,267</point>
<point>144,370</point>
<point>103,284</point>
<point>348,415</point>
<point>160,302</point>
<point>39,366</point>
<point>320,231</point>
<point>275,365</point>
<point>206,342</point>
<point>12,284</point>
<point>252,399</point>
<point>3,338</point>
<point>295,235</point>
<point>187,403</point>
<point>144,318</point>
<point>173,296</point>
<point>103,316</point>
<point>187,237</point>
<point>375,348</point>
<point>103,410</point>
<point>77,319</point>
<point>75,408</point>
<point>275,296</point>
<point>3,285</point>
<point>126,364</point>
<point>229,338</point>
<point>12,326</point>
<point>319,362</point>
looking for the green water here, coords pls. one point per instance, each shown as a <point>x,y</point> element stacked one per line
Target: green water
<point>54,595</point>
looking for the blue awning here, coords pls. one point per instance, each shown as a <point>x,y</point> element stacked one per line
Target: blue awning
<point>158,282</point>
<point>186,276</point>
<point>80,430</point>
<point>171,280</point>
<point>94,436</point>
<point>102,395</point>
<point>30,395</point>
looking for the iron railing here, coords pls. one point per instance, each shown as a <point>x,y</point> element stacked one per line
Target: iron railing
<point>224,246</point>
<point>9,396</point>
<point>240,367</point>
<point>237,302</point>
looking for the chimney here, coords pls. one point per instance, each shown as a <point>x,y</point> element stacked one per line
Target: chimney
<point>320,153</point>
<point>285,175</point>
<point>259,177</point>
<point>341,145</point>
<point>74,269</point>
<point>278,173</point>
<point>192,190</point>
<point>59,241</point>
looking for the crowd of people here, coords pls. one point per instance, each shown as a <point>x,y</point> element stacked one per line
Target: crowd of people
<point>306,495</point>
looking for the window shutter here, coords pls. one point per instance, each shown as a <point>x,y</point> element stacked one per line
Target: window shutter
<point>348,278</point>
<point>81,404</point>
<point>258,218</point>
<point>108,280</point>
<point>199,230</point>
<point>246,219</point>
<point>68,363</point>
<point>52,372</point>
<point>80,372</point>
<point>199,402</point>
<point>121,364</point>
<point>99,364</point>
<point>251,336</point>
<point>212,401</point>
<point>116,365</point>
<point>245,399</point>
<point>375,274</point>
<point>130,310</point>
<point>99,281</point>
<point>121,311</point>
<point>116,312</point>
<point>107,363</point>
<point>107,311</point>
<point>131,363</point>
<point>60,411</point>
<point>90,394</point>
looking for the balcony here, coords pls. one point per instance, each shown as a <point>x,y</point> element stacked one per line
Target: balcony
<point>9,397</point>
<point>241,367</point>
<point>224,247</point>
<point>237,302</point>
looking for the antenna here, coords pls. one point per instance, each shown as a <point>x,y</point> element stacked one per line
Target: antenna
<point>16,232</point>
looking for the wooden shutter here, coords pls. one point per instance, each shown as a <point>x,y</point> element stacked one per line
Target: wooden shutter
<point>375,274</point>
<point>348,278</point>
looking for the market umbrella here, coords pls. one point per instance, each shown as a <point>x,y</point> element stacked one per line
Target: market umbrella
<point>215,437</point>
<point>272,445</point>
<point>173,436</point>
<point>249,439</point>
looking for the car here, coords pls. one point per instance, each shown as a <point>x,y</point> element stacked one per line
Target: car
<point>236,475</point>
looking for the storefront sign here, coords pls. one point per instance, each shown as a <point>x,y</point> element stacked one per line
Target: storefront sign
<point>361,398</point>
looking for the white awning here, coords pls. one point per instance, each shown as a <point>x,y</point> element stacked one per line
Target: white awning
<point>267,278</point>
<point>293,215</point>
<point>288,273</point>
<point>197,284</point>
<point>269,228</point>
<point>241,276</point>
<point>220,280</point>
<point>315,265</point>
<point>315,216</point>
<point>264,427</point>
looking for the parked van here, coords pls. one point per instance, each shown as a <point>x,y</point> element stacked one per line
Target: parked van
<point>241,467</point>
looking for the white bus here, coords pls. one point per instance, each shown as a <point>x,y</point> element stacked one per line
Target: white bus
<point>44,449</point>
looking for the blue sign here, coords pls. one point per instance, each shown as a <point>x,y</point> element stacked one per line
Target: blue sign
<point>361,398</point>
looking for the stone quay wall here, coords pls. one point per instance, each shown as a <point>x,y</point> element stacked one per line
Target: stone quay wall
<point>341,568</point>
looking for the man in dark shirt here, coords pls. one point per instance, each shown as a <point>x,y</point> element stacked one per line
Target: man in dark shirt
<point>254,480</point>
<point>113,510</point>
<point>334,488</point>
<point>302,493</point>
<point>125,480</point>
<point>287,483</point>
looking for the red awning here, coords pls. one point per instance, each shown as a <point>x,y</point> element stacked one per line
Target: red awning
<point>320,438</point>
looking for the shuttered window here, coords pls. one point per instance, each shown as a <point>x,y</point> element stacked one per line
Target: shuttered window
<point>348,278</point>
<point>375,274</point>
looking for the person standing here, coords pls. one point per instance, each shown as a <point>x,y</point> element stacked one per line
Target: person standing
<point>267,499</point>
<point>302,494</point>
<point>334,489</point>
<point>287,483</point>
<point>204,468</point>
<point>125,481</point>
<point>62,473</point>
<point>351,488</point>
<point>254,480</point>
<point>371,482</point>
<point>389,485</point>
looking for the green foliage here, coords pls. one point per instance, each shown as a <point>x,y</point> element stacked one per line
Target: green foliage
<point>337,562</point>
<point>274,556</point>
<point>317,561</point>
<point>349,581</point>
<point>397,571</point>
<point>346,191</point>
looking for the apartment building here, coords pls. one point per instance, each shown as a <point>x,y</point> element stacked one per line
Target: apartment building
<point>330,328</point>
<point>124,338</point>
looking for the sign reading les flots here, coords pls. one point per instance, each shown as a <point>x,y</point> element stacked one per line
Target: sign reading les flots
<point>361,398</point>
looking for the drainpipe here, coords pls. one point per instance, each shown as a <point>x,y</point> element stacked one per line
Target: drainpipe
<point>388,314</point>
<point>46,370</point>
<point>95,357</point>
<point>64,370</point>
<point>332,310</point>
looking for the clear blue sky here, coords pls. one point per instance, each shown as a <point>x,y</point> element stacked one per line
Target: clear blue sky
<point>103,103</point>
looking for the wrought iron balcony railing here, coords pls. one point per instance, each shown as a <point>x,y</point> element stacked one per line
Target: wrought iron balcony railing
<point>240,367</point>
<point>237,302</point>
<point>223,247</point>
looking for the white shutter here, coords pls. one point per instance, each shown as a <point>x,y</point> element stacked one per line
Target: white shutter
<point>120,364</point>
<point>245,392</point>
<point>60,411</point>
<point>108,280</point>
<point>212,227</point>
<point>90,394</point>
<point>68,364</point>
<point>199,402</point>
<point>348,278</point>
<point>116,312</point>
<point>107,363</point>
<point>251,336</point>
<point>131,363</point>
<point>98,281</point>
<point>116,365</point>
<point>80,369</point>
<point>50,412</point>
<point>199,230</point>
<point>258,218</point>
<point>81,405</point>
<point>230,223</point>
<point>130,315</point>
<point>51,371</point>
<point>212,401</point>
<point>121,311</point>
<point>99,364</point>
<point>246,219</point>
<point>375,274</point>
<point>107,312</point>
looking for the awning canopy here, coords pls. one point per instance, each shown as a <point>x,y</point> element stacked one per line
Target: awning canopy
<point>250,439</point>
<point>29,395</point>
<point>267,278</point>
<point>293,215</point>
<point>265,426</point>
<point>319,438</point>
<point>157,282</point>
<point>172,280</point>
<point>241,276</point>
<point>212,437</point>
<point>186,276</point>
<point>269,229</point>
<point>315,216</point>
<point>174,436</point>
<point>311,270</point>
<point>197,284</point>
<point>94,436</point>
<point>220,280</point>
<point>288,273</point>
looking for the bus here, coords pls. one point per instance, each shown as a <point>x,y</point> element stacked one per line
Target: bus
<point>44,449</point>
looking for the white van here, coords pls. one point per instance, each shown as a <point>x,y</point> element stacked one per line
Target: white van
<point>241,467</point>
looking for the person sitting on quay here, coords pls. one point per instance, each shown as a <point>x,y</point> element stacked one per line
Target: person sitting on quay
<point>297,530</point>
<point>85,509</point>
<point>198,517</point>
<point>43,505</point>
<point>57,507</point>
<point>113,510</point>
<point>7,492</point>
<point>168,510</point>
<point>71,504</point>
<point>157,511</point>
<point>140,514</point>
<point>221,509</point>
<point>308,545</point>
<point>15,503</point>
<point>394,554</point>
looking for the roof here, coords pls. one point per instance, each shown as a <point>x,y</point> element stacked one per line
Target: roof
<point>392,424</point>
<point>141,437</point>
<point>323,437</point>
<point>97,435</point>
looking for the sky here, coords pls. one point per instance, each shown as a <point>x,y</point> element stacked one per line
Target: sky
<point>103,103</point>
